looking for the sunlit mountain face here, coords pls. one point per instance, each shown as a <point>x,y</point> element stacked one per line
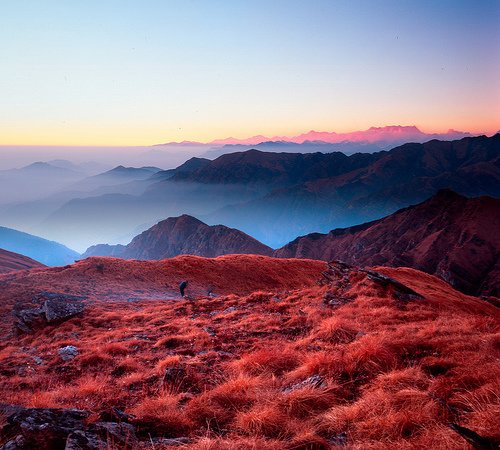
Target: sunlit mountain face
<point>249,225</point>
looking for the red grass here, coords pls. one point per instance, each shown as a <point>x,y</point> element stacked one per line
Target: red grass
<point>392,374</point>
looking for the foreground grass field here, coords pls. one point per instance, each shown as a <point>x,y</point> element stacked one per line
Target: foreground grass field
<point>346,362</point>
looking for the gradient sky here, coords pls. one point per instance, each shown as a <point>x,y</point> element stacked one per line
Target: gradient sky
<point>140,72</point>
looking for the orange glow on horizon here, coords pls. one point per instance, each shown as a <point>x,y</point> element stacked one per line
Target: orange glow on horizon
<point>152,135</point>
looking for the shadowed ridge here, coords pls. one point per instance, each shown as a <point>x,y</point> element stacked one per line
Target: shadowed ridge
<point>448,235</point>
<point>10,261</point>
<point>184,235</point>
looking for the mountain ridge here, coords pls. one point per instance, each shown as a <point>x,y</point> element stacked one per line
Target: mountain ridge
<point>183,235</point>
<point>372,134</point>
<point>448,235</point>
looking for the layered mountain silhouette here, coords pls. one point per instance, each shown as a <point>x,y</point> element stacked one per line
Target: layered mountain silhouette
<point>274,169</point>
<point>291,194</point>
<point>42,250</point>
<point>10,262</point>
<point>448,235</point>
<point>115,176</point>
<point>388,135</point>
<point>44,179</point>
<point>182,236</point>
<point>401,177</point>
<point>348,148</point>
<point>191,165</point>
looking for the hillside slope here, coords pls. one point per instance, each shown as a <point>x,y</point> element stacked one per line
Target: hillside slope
<point>353,362</point>
<point>113,279</point>
<point>47,252</point>
<point>10,262</point>
<point>448,235</point>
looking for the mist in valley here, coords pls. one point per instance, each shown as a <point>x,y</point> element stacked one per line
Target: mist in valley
<point>273,197</point>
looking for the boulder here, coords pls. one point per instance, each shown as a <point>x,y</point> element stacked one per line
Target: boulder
<point>84,440</point>
<point>337,276</point>
<point>54,310</point>
<point>401,291</point>
<point>40,428</point>
<point>27,320</point>
<point>122,435</point>
<point>59,310</point>
<point>67,353</point>
<point>52,428</point>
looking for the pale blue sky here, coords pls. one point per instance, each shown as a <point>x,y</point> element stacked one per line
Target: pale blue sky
<point>142,72</point>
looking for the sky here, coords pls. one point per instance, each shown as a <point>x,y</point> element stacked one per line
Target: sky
<point>142,72</point>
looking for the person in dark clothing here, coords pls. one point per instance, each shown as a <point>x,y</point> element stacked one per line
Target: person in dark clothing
<point>182,287</point>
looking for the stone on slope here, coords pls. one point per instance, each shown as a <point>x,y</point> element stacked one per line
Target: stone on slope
<point>57,310</point>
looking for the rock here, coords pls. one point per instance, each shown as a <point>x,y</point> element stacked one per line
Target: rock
<point>401,291</point>
<point>210,331</point>
<point>27,320</point>
<point>54,310</point>
<point>18,443</point>
<point>335,270</point>
<point>103,435</point>
<point>339,440</point>
<point>337,276</point>
<point>58,310</point>
<point>119,435</point>
<point>332,299</point>
<point>46,295</point>
<point>116,415</point>
<point>37,360</point>
<point>67,353</point>
<point>314,381</point>
<point>170,441</point>
<point>40,428</point>
<point>51,428</point>
<point>83,440</point>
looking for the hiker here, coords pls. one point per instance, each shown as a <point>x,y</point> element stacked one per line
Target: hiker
<point>182,287</point>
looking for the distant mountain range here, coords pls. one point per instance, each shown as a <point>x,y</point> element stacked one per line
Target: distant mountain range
<point>184,235</point>
<point>41,250</point>
<point>392,135</point>
<point>10,261</point>
<point>271,196</point>
<point>348,148</point>
<point>359,189</point>
<point>448,235</point>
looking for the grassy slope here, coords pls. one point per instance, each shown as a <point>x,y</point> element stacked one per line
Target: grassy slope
<point>393,373</point>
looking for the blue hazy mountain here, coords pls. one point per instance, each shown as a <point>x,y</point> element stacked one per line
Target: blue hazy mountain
<point>42,250</point>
